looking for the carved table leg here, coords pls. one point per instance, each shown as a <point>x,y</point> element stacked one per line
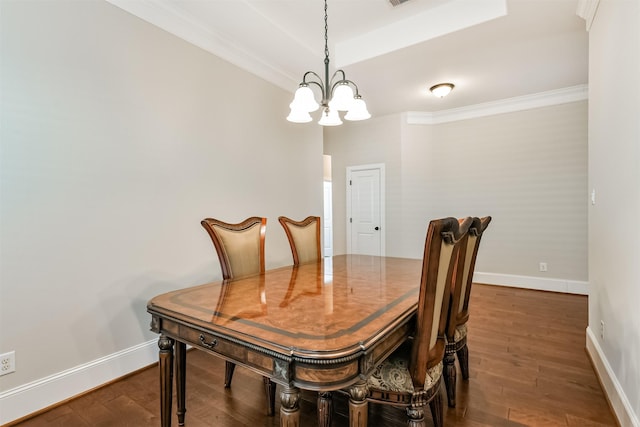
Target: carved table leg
<point>449,374</point>
<point>270,391</point>
<point>358,416</point>
<point>289,409</point>
<point>325,409</point>
<point>181,376</point>
<point>166,379</point>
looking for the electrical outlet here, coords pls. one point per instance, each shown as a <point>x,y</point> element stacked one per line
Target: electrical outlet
<point>7,363</point>
<point>543,266</point>
<point>602,330</point>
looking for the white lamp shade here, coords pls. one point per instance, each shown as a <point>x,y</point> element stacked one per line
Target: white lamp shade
<point>342,99</point>
<point>304,100</point>
<point>358,111</point>
<point>297,116</point>
<point>330,117</point>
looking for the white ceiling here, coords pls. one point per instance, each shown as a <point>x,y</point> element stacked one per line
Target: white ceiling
<point>490,49</point>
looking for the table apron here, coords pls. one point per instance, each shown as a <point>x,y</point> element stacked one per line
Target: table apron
<point>318,374</point>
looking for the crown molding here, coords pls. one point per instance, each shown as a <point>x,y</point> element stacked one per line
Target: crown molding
<point>163,14</point>
<point>509,105</point>
<point>587,10</point>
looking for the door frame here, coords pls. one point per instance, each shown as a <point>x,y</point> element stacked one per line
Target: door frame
<point>350,170</point>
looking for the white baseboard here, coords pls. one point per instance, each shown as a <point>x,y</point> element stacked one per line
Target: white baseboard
<point>37,395</point>
<point>612,388</point>
<point>529,282</point>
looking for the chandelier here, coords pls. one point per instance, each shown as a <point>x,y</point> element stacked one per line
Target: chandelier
<point>337,94</point>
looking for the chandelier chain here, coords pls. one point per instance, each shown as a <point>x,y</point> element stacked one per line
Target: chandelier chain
<point>326,31</point>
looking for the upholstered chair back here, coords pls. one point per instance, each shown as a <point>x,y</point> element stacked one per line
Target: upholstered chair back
<point>240,247</point>
<point>440,255</point>
<point>463,280</point>
<point>304,238</point>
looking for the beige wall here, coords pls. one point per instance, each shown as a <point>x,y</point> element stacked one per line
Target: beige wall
<point>117,139</point>
<point>614,173</point>
<point>371,141</point>
<point>526,169</point>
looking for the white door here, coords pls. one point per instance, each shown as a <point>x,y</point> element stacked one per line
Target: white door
<point>365,216</point>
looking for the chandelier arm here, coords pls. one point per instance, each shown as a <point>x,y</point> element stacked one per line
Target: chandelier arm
<point>304,78</point>
<point>355,86</point>
<point>319,84</point>
<point>344,77</point>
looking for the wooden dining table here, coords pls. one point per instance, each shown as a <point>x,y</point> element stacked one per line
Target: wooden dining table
<point>321,326</point>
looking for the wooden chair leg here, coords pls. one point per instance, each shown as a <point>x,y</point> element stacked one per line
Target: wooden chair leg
<point>270,392</point>
<point>416,416</point>
<point>228,373</point>
<point>463,359</point>
<point>437,409</point>
<point>449,373</point>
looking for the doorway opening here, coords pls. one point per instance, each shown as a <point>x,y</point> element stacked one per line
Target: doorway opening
<point>327,229</point>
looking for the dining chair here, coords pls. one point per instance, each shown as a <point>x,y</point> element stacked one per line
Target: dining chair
<point>240,249</point>
<point>459,308</point>
<point>304,238</point>
<point>411,376</point>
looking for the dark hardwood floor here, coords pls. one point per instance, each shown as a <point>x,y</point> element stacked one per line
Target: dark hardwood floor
<point>527,361</point>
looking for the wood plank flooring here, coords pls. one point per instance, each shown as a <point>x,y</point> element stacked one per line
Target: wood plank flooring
<point>528,367</point>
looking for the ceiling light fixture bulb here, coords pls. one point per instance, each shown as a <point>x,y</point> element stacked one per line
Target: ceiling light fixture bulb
<point>442,89</point>
<point>330,118</point>
<point>358,110</point>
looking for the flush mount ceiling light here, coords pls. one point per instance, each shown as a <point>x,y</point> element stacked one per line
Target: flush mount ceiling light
<point>442,89</point>
<point>337,94</point>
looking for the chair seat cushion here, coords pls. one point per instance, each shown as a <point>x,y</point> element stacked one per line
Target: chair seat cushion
<point>393,374</point>
<point>460,333</point>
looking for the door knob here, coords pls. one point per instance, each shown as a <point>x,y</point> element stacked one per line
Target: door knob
<point>377,228</point>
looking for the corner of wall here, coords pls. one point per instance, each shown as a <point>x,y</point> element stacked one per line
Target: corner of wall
<point>587,11</point>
